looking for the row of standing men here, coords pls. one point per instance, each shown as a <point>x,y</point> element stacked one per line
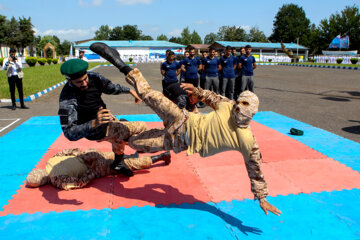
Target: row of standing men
<point>230,75</point>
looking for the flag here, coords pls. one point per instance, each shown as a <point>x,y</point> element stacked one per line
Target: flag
<point>340,42</point>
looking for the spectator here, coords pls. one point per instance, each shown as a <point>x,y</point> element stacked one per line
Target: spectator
<point>238,75</point>
<point>170,69</point>
<point>228,66</point>
<point>13,67</point>
<point>247,64</point>
<point>81,55</point>
<point>182,73</point>
<point>211,66</point>
<point>191,66</point>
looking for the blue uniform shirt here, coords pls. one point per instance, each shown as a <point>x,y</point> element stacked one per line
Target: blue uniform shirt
<point>170,71</point>
<point>247,65</point>
<point>182,73</point>
<point>191,66</point>
<point>211,66</point>
<point>228,66</point>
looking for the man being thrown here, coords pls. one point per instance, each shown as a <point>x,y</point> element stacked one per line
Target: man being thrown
<point>83,113</point>
<point>72,168</point>
<point>226,128</point>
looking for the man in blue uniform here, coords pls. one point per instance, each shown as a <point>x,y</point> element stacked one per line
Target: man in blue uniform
<point>182,73</point>
<point>83,113</point>
<point>170,69</point>
<point>191,66</point>
<point>247,64</point>
<point>228,66</point>
<point>211,66</point>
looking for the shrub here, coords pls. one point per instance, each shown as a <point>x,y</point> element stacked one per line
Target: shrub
<point>55,60</point>
<point>1,61</point>
<point>130,59</point>
<point>269,59</point>
<point>42,61</point>
<point>326,60</point>
<point>354,60</point>
<point>31,61</point>
<point>339,60</point>
<point>49,60</point>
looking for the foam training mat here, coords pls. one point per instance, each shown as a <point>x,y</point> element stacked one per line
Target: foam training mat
<point>313,179</point>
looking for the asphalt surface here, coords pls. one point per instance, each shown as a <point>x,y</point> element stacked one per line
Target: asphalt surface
<point>325,98</point>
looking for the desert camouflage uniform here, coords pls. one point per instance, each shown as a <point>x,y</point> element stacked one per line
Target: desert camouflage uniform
<point>174,134</point>
<point>98,164</point>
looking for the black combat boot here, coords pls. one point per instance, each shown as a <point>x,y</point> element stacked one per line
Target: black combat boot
<point>110,54</point>
<point>120,166</point>
<point>166,157</point>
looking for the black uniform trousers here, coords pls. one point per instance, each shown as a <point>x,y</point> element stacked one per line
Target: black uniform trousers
<point>15,80</point>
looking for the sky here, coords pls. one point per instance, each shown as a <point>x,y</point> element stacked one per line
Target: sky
<point>76,20</point>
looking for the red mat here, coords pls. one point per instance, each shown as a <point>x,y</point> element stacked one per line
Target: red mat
<point>289,167</point>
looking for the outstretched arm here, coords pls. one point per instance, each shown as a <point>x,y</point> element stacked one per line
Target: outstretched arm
<point>206,96</point>
<point>257,180</point>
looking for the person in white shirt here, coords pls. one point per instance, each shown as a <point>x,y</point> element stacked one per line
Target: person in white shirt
<point>13,67</point>
<point>81,56</point>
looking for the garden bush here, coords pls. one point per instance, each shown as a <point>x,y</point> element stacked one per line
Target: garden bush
<point>326,60</point>
<point>130,59</point>
<point>42,61</point>
<point>49,61</point>
<point>269,59</point>
<point>1,61</point>
<point>31,61</point>
<point>354,60</point>
<point>339,60</point>
<point>55,60</point>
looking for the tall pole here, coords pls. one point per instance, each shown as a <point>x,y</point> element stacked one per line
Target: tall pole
<point>297,46</point>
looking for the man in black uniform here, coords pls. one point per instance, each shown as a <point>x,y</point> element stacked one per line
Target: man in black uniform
<point>83,113</point>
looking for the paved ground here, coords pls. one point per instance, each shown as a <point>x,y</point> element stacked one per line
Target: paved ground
<point>325,98</point>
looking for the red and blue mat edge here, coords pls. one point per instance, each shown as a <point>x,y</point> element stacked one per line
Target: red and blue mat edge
<point>232,219</point>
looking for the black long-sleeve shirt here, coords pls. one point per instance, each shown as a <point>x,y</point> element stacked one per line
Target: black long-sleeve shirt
<point>78,108</point>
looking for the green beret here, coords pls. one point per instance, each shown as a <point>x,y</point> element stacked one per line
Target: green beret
<point>74,68</point>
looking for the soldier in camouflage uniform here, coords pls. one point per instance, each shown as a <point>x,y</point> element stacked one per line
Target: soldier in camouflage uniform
<point>83,113</point>
<point>226,128</point>
<point>72,168</point>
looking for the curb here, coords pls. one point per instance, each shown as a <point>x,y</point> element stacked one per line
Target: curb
<point>320,66</point>
<point>39,94</point>
<point>267,64</point>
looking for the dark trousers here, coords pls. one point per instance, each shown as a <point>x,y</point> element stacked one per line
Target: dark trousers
<point>15,80</point>
<point>194,82</point>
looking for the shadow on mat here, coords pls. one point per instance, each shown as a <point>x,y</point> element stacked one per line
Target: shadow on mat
<point>166,196</point>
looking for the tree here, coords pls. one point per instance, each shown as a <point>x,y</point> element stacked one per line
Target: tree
<point>26,33</point>
<point>210,38</point>
<point>4,31</point>
<point>131,32</point>
<point>13,39</point>
<point>116,33</point>
<point>185,36</point>
<point>103,33</point>
<point>146,37</point>
<point>233,33</point>
<point>162,37</point>
<point>195,38</point>
<point>65,48</point>
<point>255,35</point>
<point>345,23</point>
<point>291,23</point>
<point>176,40</point>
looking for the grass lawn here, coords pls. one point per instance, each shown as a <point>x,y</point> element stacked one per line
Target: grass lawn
<point>36,79</point>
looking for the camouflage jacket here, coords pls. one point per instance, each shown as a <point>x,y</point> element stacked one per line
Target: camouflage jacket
<point>252,162</point>
<point>68,107</point>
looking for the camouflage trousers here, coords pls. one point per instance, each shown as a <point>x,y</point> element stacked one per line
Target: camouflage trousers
<point>172,137</point>
<point>118,131</point>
